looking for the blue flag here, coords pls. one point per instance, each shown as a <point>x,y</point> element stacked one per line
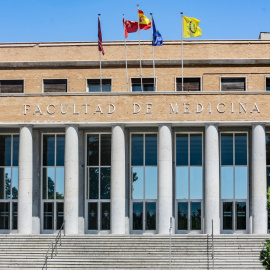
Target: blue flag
<point>157,38</point>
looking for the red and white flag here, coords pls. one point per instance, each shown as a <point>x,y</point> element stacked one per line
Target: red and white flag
<point>130,27</point>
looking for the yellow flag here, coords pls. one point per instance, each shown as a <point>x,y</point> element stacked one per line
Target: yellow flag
<point>191,27</point>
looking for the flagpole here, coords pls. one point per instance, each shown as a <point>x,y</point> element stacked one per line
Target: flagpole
<point>153,50</point>
<point>182,25</point>
<point>100,74</point>
<point>125,49</point>
<point>140,48</point>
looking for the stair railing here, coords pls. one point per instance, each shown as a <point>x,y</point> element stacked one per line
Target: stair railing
<point>213,250</point>
<point>53,246</point>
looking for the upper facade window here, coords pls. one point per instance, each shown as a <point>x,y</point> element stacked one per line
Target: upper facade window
<point>55,85</point>
<point>94,85</point>
<point>267,84</point>
<point>147,84</point>
<point>190,84</point>
<point>11,86</point>
<point>233,84</point>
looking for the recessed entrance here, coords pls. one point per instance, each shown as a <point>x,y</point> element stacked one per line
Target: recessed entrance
<point>98,183</point>
<point>234,183</point>
<point>144,191</point>
<point>9,156</point>
<point>53,179</point>
<point>189,182</point>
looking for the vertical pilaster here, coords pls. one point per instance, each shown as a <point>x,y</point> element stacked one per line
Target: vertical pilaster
<point>211,180</point>
<point>259,211</point>
<point>25,180</point>
<point>71,201</point>
<point>118,180</point>
<point>164,179</point>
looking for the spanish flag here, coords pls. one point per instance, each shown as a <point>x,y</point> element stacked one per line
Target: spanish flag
<point>144,22</point>
<point>191,27</point>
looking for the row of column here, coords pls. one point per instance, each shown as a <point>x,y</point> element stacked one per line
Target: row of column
<point>165,180</point>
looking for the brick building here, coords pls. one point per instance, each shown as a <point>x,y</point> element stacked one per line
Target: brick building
<point>124,159</point>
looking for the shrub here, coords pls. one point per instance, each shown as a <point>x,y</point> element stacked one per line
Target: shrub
<point>265,253</point>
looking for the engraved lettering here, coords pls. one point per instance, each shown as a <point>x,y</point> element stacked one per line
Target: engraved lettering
<point>98,110</point>
<point>242,106</point>
<point>62,109</point>
<point>74,109</point>
<point>218,109</point>
<point>111,106</point>
<point>173,109</point>
<point>186,107</point>
<point>38,110</point>
<point>255,109</point>
<point>138,108</point>
<point>197,107</point>
<point>48,109</point>
<point>26,108</point>
<point>148,108</point>
<point>86,105</point>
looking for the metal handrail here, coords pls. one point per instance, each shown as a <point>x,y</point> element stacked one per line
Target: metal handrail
<point>53,245</point>
<point>213,250</point>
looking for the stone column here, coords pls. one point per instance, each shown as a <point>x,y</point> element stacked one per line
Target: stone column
<point>164,179</point>
<point>259,211</point>
<point>25,181</point>
<point>118,180</point>
<point>71,201</point>
<point>212,204</point>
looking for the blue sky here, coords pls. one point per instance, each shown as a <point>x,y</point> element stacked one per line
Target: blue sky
<point>76,20</point>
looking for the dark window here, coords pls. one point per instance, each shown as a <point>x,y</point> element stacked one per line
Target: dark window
<point>151,150</point>
<point>148,84</point>
<point>60,151</point>
<point>55,85</point>
<point>182,150</point>
<point>195,150</point>
<point>92,216</point>
<point>190,84</point>
<point>137,150</point>
<point>182,215</point>
<point>105,150</point>
<point>233,84</point>
<point>240,149</point>
<point>93,85</point>
<point>267,84</point>
<point>93,150</point>
<point>227,149</point>
<point>11,86</point>
<point>48,150</point>
<point>268,149</point>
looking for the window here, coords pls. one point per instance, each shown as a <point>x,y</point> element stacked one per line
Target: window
<point>11,86</point>
<point>267,84</point>
<point>190,84</point>
<point>93,85</point>
<point>189,182</point>
<point>53,181</point>
<point>148,84</point>
<point>9,161</point>
<point>98,182</point>
<point>233,84</point>
<point>234,181</point>
<point>55,85</point>
<point>144,183</point>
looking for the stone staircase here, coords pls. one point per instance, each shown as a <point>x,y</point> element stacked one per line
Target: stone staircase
<point>132,252</point>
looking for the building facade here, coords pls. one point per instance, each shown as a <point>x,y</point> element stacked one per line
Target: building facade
<point>135,155</point>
